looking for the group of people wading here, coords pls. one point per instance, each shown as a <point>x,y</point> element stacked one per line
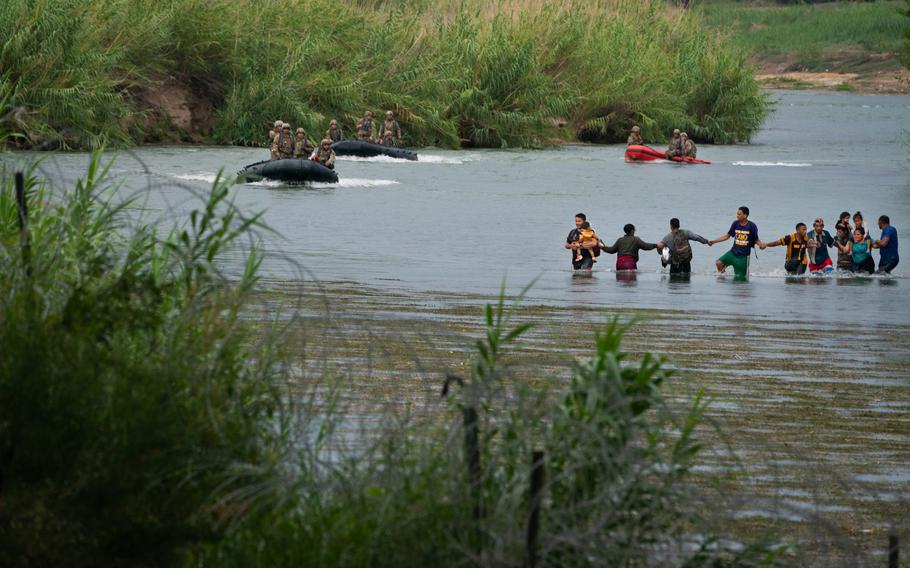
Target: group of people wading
<point>680,144</point>
<point>284,144</point>
<point>805,249</point>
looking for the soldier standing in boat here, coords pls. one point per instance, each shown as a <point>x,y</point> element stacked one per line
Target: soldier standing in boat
<point>635,137</point>
<point>334,132</point>
<point>688,146</point>
<point>366,130</point>
<point>273,133</point>
<point>302,146</point>
<point>675,147</point>
<point>390,125</point>
<point>283,147</point>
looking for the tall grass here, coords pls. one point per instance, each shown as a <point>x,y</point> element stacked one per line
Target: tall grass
<point>807,32</point>
<point>473,73</point>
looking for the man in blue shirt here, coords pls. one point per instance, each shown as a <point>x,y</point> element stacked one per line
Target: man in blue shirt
<point>745,236</point>
<point>887,244</point>
<point>819,241</point>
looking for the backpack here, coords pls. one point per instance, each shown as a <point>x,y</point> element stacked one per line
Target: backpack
<point>682,252</point>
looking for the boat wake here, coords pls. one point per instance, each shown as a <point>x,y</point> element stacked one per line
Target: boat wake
<point>206,177</point>
<point>343,182</point>
<point>357,182</point>
<point>774,164</point>
<point>422,159</point>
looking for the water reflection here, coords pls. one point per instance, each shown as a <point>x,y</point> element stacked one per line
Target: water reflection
<point>854,281</point>
<point>680,280</point>
<point>627,277</point>
<point>795,280</point>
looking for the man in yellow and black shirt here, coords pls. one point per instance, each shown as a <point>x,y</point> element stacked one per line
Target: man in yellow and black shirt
<point>796,249</point>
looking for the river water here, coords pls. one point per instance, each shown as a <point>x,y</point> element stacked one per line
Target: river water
<point>463,221</point>
<point>819,396</point>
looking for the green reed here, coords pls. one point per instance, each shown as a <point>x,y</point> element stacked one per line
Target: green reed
<point>474,74</point>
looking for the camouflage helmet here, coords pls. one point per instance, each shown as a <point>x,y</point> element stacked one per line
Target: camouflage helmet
<point>285,125</point>
<point>300,130</point>
<point>683,135</point>
<point>675,131</point>
<point>278,123</point>
<point>326,141</point>
<point>636,129</point>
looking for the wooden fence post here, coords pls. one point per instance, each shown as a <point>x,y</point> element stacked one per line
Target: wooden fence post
<point>22,207</point>
<point>536,494</point>
<point>472,455</point>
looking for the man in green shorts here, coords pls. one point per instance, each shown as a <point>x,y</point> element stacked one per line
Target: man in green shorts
<point>745,236</point>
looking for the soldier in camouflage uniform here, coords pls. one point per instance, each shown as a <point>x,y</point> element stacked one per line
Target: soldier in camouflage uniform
<point>366,130</point>
<point>675,147</point>
<point>635,137</point>
<point>283,146</point>
<point>387,139</point>
<point>325,155</point>
<point>276,129</point>
<point>688,146</point>
<point>334,132</point>
<point>390,125</point>
<point>302,146</point>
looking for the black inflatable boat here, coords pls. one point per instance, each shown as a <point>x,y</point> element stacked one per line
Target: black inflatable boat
<point>369,149</point>
<point>289,170</point>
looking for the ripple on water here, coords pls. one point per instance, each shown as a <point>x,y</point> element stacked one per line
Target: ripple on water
<point>774,164</point>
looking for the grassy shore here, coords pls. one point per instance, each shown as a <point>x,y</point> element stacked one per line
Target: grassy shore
<point>791,42</point>
<point>80,73</point>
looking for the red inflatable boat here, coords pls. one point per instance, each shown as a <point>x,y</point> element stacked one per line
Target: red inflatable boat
<point>636,153</point>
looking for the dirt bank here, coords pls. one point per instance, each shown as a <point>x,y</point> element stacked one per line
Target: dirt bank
<point>875,73</point>
<point>176,110</point>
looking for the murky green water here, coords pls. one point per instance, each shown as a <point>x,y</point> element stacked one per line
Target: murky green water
<point>464,221</point>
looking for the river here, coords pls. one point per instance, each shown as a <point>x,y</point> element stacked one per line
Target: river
<point>807,374</point>
<point>463,221</point>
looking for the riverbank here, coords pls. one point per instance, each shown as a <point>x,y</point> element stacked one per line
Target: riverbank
<point>509,74</point>
<point>842,46</point>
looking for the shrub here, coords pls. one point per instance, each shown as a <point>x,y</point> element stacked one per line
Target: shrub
<point>133,397</point>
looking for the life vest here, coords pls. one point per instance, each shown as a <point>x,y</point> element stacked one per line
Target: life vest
<point>796,248</point>
<point>391,126</point>
<point>365,128</point>
<point>284,144</point>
